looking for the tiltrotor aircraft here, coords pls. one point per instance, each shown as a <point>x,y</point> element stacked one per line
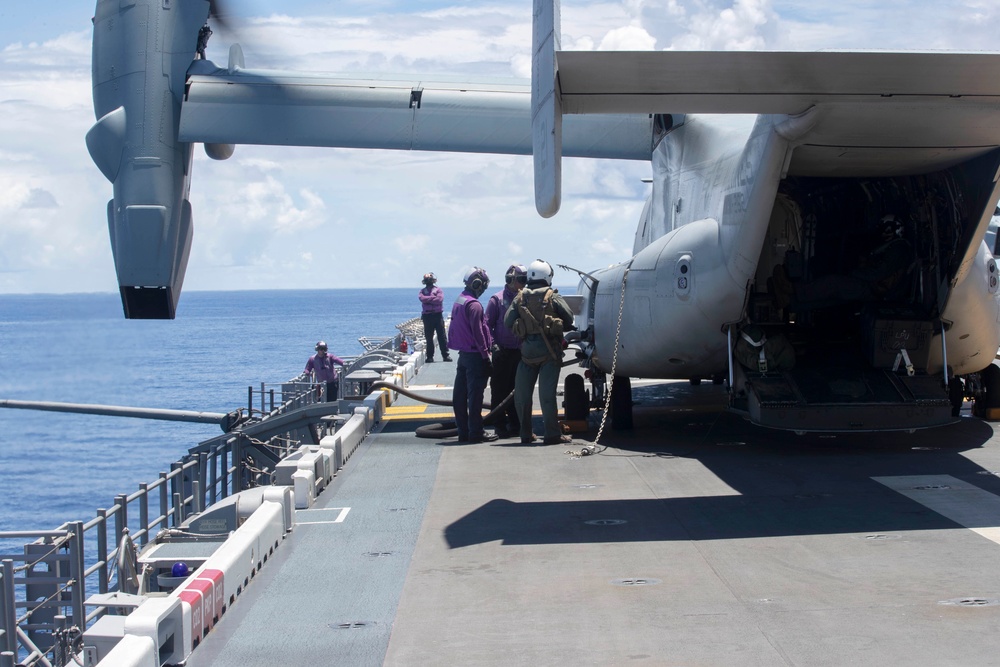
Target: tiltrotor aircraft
<point>770,171</point>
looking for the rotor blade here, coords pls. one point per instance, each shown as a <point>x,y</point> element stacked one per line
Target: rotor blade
<point>217,10</point>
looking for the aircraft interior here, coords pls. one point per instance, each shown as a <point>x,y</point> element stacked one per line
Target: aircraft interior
<point>845,348</point>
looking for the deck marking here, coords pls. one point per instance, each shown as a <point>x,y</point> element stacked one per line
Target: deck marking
<point>406,409</point>
<point>340,516</point>
<point>964,503</point>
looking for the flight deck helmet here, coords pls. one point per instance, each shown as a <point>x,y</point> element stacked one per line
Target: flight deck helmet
<point>321,346</point>
<point>540,271</point>
<point>429,279</point>
<point>516,273</point>
<point>477,281</point>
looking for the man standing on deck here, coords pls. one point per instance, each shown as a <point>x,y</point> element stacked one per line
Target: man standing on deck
<point>539,316</point>
<point>432,300</point>
<point>469,335</point>
<point>506,350</point>
<point>321,366</point>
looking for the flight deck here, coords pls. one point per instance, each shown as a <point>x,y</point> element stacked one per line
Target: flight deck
<point>693,539</point>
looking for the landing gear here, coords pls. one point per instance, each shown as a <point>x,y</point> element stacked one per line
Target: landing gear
<point>621,403</point>
<point>956,394</point>
<point>694,381</point>
<point>576,401</point>
<point>989,391</point>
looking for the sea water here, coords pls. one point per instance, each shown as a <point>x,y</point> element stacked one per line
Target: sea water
<point>78,348</point>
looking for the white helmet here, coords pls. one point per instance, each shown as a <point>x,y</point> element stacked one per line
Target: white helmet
<point>477,280</point>
<point>540,270</point>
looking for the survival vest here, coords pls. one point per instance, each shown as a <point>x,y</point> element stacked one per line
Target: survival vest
<point>537,315</point>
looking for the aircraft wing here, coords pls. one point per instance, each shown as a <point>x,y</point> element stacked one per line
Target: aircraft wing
<point>243,106</point>
<point>879,112</point>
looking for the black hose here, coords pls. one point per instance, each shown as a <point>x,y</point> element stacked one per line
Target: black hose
<point>441,430</point>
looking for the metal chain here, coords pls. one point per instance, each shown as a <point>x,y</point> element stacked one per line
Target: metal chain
<point>614,361</point>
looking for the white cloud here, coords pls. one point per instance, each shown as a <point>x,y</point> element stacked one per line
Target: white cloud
<point>293,217</point>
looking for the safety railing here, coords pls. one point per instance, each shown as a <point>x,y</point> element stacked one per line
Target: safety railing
<point>44,588</point>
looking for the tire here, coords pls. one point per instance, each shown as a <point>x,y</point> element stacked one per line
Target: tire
<point>621,403</point>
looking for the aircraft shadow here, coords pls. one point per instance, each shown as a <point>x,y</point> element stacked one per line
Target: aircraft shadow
<point>784,484</point>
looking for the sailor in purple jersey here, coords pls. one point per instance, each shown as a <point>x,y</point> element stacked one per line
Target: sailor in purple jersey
<point>321,365</point>
<point>469,335</point>
<point>506,350</point>
<point>432,307</point>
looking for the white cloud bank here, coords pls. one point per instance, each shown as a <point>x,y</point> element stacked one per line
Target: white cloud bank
<point>298,218</point>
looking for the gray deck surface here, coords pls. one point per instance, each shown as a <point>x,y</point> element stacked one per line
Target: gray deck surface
<point>697,540</point>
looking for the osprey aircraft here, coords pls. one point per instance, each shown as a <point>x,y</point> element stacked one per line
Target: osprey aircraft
<point>770,172</point>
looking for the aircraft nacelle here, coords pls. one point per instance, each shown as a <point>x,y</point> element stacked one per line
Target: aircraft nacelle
<point>142,50</point>
<point>660,320</point>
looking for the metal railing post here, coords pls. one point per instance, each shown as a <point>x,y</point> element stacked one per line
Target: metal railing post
<point>77,568</point>
<point>175,493</point>
<point>199,505</point>
<point>121,517</point>
<point>102,551</point>
<point>144,513</point>
<point>164,502</point>
<point>237,461</point>
<point>7,608</point>
<point>213,475</point>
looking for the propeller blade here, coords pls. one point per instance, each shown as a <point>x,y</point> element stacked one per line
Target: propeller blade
<point>217,10</point>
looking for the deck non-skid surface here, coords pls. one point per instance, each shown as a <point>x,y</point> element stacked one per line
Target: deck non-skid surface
<point>698,540</point>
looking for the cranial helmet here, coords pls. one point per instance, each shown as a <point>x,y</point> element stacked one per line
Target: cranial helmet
<point>477,280</point>
<point>429,279</point>
<point>321,346</point>
<point>540,270</point>
<point>516,272</point>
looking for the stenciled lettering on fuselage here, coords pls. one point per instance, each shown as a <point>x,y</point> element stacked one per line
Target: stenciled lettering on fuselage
<point>735,203</point>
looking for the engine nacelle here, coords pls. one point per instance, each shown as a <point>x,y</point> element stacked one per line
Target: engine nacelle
<point>142,50</point>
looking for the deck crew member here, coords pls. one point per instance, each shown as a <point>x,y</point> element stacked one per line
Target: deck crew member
<point>506,350</point>
<point>468,334</point>
<point>321,366</point>
<point>432,304</point>
<point>539,316</point>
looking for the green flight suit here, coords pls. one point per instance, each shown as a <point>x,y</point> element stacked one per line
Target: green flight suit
<point>541,360</point>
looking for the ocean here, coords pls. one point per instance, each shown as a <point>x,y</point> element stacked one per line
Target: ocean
<point>78,348</point>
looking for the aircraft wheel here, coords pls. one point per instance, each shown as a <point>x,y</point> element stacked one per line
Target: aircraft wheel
<point>621,403</point>
<point>956,394</point>
<point>576,402</point>
<point>718,378</point>
<point>991,384</point>
<point>694,381</point>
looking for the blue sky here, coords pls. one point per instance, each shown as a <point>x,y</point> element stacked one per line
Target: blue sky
<point>291,218</point>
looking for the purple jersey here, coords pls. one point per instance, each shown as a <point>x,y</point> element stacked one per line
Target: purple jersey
<point>496,308</point>
<point>467,331</point>
<point>432,299</point>
<point>324,366</point>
